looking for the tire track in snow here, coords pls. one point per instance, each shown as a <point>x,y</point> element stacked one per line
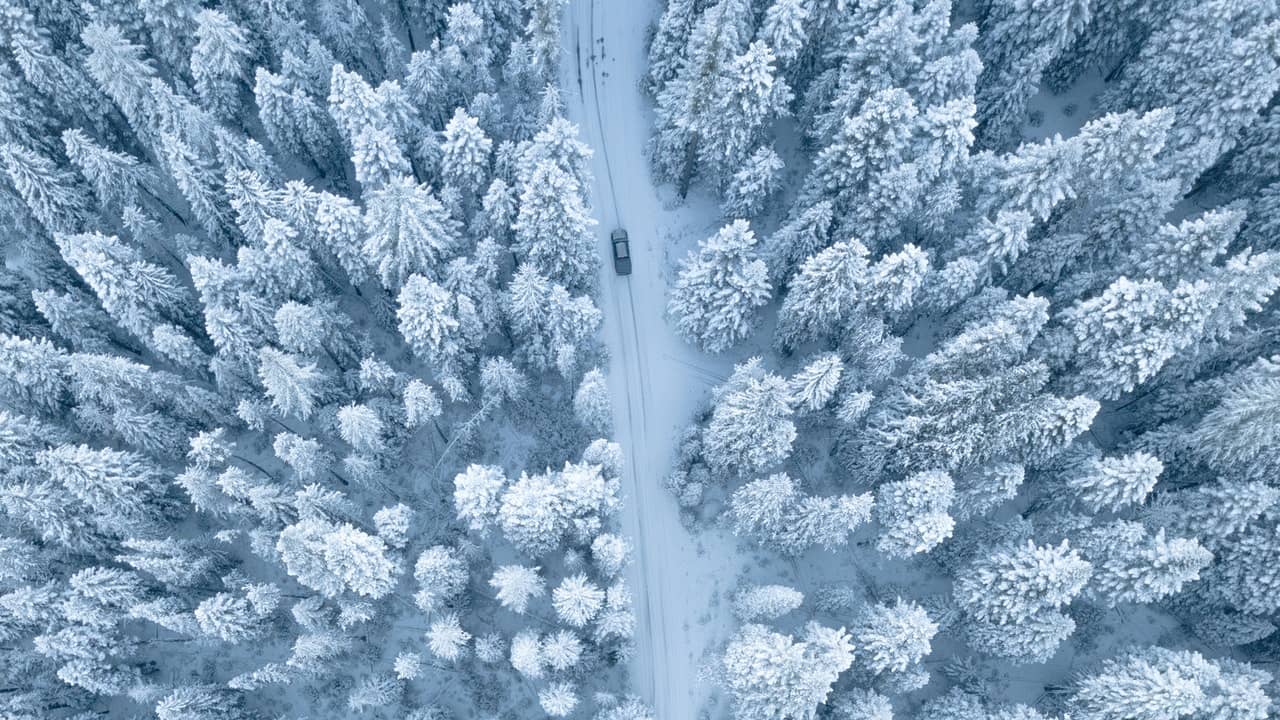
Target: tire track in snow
<point>651,660</point>
<point>595,101</point>
<point>676,576</point>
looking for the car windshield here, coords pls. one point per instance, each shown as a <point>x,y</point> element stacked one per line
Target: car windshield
<point>620,249</point>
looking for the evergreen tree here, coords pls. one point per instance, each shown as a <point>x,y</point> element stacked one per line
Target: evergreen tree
<point>860,704</point>
<point>1115,34</point>
<point>610,553</point>
<point>765,602</point>
<point>1121,338</point>
<point>377,157</point>
<point>1129,565</point>
<point>420,404</point>
<point>229,618</point>
<point>406,231</point>
<point>219,61</point>
<point>769,675</point>
<point>1189,248</point>
<point>339,227</point>
<point>465,151</point>
<point>526,655</point>
<point>980,492</point>
<point>1232,52</point>
<point>718,35</point>
<point>52,194</point>
<point>293,386</point>
<point>533,514</point>
<point>746,97</point>
<point>440,326</point>
<point>751,427</point>
<point>866,170</point>
<point>775,512</point>
<point>890,639</point>
<point>133,290</point>
<point>446,638</point>
<point>122,489</point>
<point>305,456</point>
<point>802,235</point>
<point>374,691</point>
<point>960,422</point>
<point>331,558</point>
<point>1155,683</point>
<point>815,386</point>
<point>201,702</point>
<point>893,281</point>
<point>550,326</point>
<point>562,650</point>
<point>442,576</point>
<point>74,320</point>
<point>720,289</point>
<point>1010,584</point>
<point>825,521</point>
<point>122,72</point>
<point>1034,639</point>
<point>752,184</point>
<point>1238,289</point>
<point>1238,434</point>
<point>1113,483</point>
<point>176,562</point>
<point>1243,576</point>
<point>913,513</point>
<point>1214,512</point>
<point>665,52</point>
<point>558,699</point>
<point>824,294</point>
<point>543,33</point>
<point>360,427</point>
<point>785,28</point>
<point>197,180</point>
<point>293,120</point>
<point>591,402</point>
<point>516,585</point>
<point>476,493</point>
<point>116,178</point>
<point>577,600</point>
<point>553,227</point>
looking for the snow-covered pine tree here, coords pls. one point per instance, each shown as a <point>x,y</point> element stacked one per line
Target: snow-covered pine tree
<point>1132,565</point>
<point>719,34</point>
<point>1010,584</point>
<point>1155,682</point>
<point>407,231</point>
<point>753,183</point>
<point>765,602</point>
<point>553,226</point>
<point>751,427</point>
<point>913,513</point>
<point>768,674</point>
<point>720,289</point>
<point>892,638</point>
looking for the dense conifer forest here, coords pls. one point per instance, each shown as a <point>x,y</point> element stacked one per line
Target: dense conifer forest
<point>324,394</point>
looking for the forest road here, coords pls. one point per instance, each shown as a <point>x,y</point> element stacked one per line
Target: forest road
<point>673,582</point>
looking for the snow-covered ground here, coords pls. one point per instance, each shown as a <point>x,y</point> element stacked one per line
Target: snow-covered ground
<point>657,381</point>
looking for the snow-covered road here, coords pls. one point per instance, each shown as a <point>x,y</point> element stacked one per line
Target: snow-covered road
<point>656,380</point>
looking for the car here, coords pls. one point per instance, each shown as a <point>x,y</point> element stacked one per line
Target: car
<point>621,252</point>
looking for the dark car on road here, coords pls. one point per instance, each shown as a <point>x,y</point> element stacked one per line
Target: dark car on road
<point>621,252</point>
